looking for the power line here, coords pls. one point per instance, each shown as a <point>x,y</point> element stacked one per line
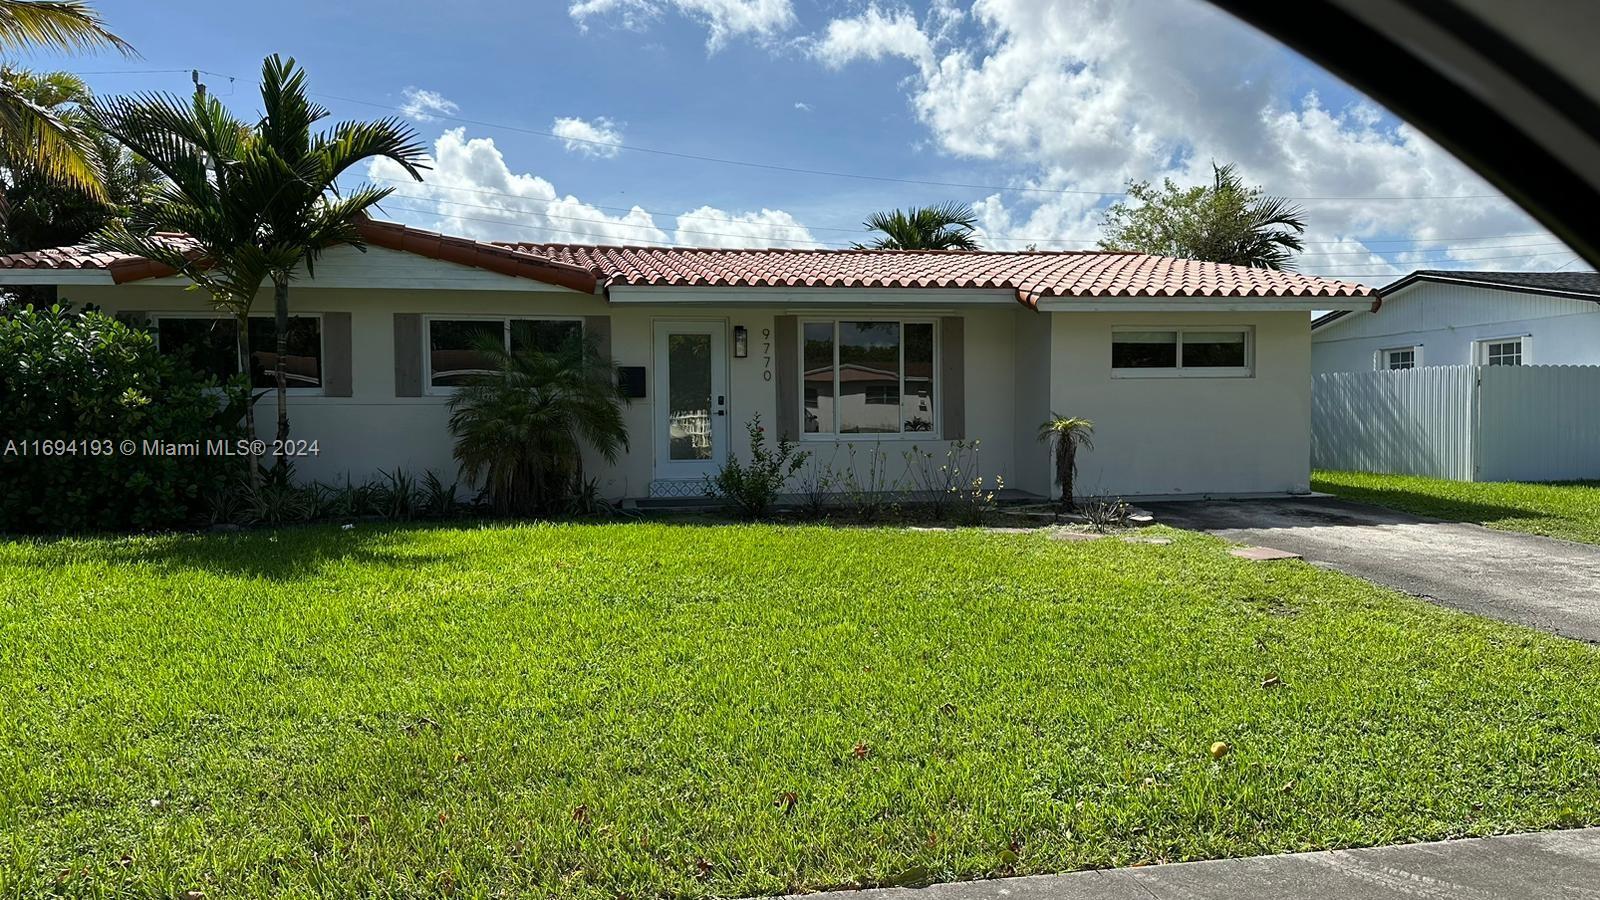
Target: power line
<point>797,170</point>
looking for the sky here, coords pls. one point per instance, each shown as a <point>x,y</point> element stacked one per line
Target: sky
<point>786,122</point>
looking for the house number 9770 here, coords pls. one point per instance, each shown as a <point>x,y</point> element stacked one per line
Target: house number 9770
<point>766,354</point>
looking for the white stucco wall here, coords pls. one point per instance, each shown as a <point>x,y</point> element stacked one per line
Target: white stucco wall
<point>1189,435</point>
<point>375,430</point>
<point>1447,319</point>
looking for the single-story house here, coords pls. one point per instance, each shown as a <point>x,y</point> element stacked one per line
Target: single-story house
<point>1451,318</point>
<point>1196,375</point>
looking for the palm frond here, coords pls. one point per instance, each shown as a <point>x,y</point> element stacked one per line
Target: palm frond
<point>66,25</point>
<point>35,137</point>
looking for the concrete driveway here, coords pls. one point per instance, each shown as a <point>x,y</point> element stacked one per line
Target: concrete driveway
<point>1543,582</point>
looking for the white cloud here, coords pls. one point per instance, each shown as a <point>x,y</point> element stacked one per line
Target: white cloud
<point>723,19</point>
<point>711,227</point>
<point>873,35</point>
<point>802,106</point>
<point>597,138</point>
<point>471,191</point>
<point>1083,96</point>
<point>424,105</point>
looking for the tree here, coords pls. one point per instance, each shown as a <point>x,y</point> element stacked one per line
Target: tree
<point>42,212</point>
<point>1066,434</point>
<point>947,226</point>
<point>1225,222</point>
<point>520,431</point>
<point>255,202</point>
<point>31,133</point>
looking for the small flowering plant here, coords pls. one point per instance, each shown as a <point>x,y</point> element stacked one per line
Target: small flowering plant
<point>750,489</point>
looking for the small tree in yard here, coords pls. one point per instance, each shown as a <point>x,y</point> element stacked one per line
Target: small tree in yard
<point>1066,434</point>
<point>256,203</point>
<point>751,489</point>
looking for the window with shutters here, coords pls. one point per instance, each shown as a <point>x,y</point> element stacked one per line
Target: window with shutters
<point>868,377</point>
<point>454,345</point>
<point>210,344</point>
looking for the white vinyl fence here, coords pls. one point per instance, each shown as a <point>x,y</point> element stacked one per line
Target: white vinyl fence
<point>1468,423</point>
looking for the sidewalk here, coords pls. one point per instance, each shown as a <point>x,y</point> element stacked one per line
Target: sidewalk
<point>1551,865</point>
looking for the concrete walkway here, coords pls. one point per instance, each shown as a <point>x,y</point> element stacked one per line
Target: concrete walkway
<point>1543,582</point>
<point>1553,865</point>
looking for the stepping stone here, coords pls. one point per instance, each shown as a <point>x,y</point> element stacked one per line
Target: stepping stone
<point>1262,554</point>
<point>1147,540</point>
<point>1075,536</point>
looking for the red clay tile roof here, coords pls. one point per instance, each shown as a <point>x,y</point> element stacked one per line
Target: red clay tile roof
<point>1033,276</point>
<point>392,235</point>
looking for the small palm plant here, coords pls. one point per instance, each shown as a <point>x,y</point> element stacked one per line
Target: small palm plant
<point>1067,434</point>
<point>520,431</point>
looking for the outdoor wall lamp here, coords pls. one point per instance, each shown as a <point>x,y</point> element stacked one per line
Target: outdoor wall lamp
<point>741,342</point>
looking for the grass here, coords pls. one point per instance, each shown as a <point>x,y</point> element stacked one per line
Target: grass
<point>1570,510</point>
<point>674,711</point>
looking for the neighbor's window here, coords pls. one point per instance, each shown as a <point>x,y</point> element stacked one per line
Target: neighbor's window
<point>455,346</point>
<point>867,377</point>
<point>1180,351</point>
<point>1399,358</point>
<point>1507,352</point>
<point>210,344</point>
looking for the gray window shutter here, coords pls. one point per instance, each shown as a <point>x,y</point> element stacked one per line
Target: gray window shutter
<point>786,359</point>
<point>407,355</point>
<point>951,386</point>
<point>336,354</point>
<point>599,327</point>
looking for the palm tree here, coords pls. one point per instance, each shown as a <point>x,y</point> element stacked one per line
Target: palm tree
<point>33,133</point>
<point>41,212</point>
<point>1067,434</point>
<point>520,431</point>
<point>947,226</point>
<point>256,203</point>
<point>1259,231</point>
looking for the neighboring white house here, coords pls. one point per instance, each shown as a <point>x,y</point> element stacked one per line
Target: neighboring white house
<point>1196,375</point>
<point>1450,318</point>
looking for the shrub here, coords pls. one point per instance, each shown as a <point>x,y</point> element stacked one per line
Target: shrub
<point>521,429</point>
<point>951,486</point>
<point>751,489</point>
<point>89,378</point>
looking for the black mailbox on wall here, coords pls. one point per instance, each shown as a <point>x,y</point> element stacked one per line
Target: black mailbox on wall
<point>631,380</point>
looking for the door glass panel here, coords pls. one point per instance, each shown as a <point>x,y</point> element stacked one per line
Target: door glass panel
<point>869,377</point>
<point>689,400</point>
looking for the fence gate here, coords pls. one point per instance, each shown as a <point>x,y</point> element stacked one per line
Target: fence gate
<point>1468,423</point>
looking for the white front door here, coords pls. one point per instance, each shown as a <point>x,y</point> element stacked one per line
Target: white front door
<point>691,405</point>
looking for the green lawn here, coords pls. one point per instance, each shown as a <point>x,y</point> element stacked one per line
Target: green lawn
<point>642,711</point>
<point>1570,511</point>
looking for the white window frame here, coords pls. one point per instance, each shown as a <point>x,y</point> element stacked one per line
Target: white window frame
<point>427,333</point>
<point>322,345</point>
<point>936,433</point>
<point>1480,348</point>
<point>1383,357</point>
<point>1248,370</point>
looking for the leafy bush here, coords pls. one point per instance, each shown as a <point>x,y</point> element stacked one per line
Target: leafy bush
<point>88,378</point>
<point>751,489</point>
<point>1106,514</point>
<point>867,491</point>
